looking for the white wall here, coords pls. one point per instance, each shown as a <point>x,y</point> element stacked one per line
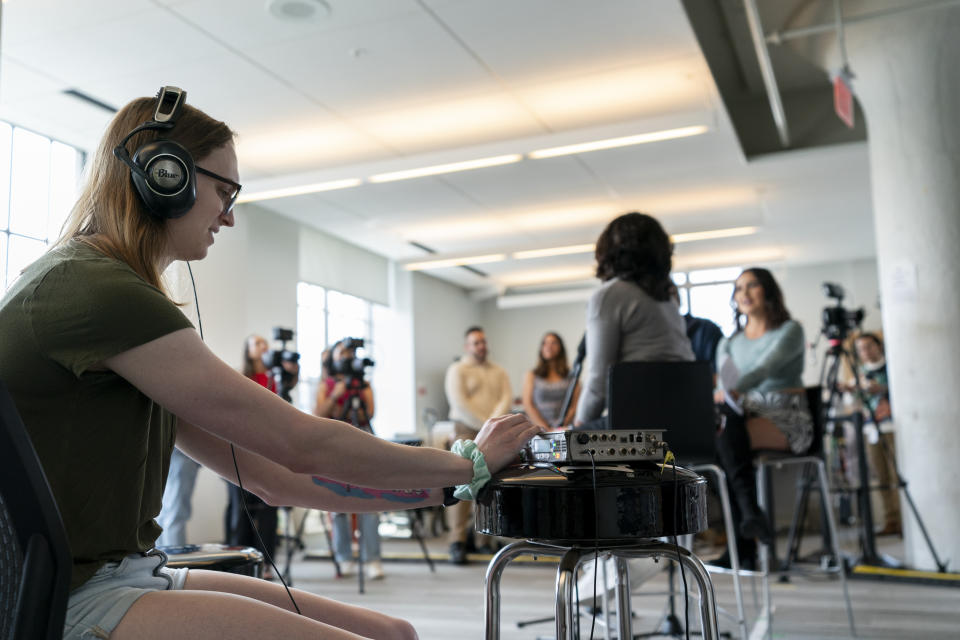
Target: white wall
<point>441,314</point>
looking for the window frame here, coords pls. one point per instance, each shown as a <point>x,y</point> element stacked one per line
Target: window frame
<point>51,235</point>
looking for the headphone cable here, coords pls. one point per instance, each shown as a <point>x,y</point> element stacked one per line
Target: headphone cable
<point>236,467</point>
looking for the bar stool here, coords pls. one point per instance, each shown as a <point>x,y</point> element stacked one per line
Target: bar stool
<point>572,511</point>
<point>570,560</point>
<point>770,461</point>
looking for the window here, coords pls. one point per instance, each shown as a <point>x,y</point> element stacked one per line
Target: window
<point>38,186</point>
<point>706,293</point>
<point>325,316</point>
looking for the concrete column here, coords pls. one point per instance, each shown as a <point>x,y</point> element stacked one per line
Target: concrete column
<point>908,82</point>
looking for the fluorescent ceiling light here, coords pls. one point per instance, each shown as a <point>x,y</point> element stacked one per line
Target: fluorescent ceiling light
<point>611,143</point>
<point>273,194</point>
<point>546,298</point>
<point>710,235</point>
<point>555,251</point>
<point>453,262</point>
<point>447,168</point>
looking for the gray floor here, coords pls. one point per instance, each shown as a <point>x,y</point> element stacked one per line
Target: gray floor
<point>449,603</point>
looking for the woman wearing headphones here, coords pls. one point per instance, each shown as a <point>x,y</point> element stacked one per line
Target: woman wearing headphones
<point>108,374</point>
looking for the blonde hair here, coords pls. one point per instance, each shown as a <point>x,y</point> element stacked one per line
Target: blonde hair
<point>109,214</point>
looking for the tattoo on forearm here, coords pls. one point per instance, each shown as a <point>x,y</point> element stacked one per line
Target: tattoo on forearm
<point>364,493</point>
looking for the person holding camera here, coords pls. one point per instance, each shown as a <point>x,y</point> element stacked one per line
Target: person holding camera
<point>343,394</point>
<point>108,375</point>
<point>875,394</point>
<point>760,396</point>
<point>238,529</point>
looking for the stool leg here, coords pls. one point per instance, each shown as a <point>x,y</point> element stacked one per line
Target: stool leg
<point>623,598</point>
<point>832,525</point>
<point>708,604</point>
<point>566,577</point>
<point>765,552</point>
<point>491,582</point>
<point>721,479</point>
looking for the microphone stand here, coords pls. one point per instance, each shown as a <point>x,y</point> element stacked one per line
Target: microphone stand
<point>574,377</point>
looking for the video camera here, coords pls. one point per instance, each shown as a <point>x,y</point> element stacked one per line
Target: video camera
<point>352,369</point>
<point>275,358</point>
<point>838,321</point>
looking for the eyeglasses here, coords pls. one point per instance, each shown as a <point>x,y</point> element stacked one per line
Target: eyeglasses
<point>229,198</point>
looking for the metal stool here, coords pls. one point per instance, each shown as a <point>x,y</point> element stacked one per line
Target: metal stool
<point>572,510</point>
<point>763,466</point>
<point>570,560</point>
<point>245,561</point>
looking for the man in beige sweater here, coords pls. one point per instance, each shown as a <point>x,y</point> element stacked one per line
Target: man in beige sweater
<point>477,390</point>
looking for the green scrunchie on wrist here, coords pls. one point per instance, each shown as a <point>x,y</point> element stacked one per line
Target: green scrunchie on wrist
<point>481,474</point>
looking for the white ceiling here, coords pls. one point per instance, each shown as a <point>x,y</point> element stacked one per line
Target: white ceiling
<point>383,85</point>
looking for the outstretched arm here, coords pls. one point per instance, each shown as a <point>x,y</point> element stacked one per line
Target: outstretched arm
<point>180,373</point>
<point>278,486</point>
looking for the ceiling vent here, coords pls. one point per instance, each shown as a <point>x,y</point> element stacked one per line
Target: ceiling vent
<point>299,10</point>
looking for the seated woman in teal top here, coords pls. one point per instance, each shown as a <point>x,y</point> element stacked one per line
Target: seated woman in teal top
<point>761,397</point>
<point>767,350</point>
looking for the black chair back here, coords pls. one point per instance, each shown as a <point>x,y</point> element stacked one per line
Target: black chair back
<point>35,561</point>
<point>676,396</point>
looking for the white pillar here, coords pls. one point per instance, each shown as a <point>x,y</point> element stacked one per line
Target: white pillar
<point>908,82</point>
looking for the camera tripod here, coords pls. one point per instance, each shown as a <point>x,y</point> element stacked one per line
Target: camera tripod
<point>836,354</point>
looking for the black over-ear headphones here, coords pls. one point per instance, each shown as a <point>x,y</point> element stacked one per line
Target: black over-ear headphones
<point>162,171</point>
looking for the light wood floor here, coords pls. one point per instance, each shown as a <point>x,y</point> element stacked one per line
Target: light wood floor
<point>448,604</point>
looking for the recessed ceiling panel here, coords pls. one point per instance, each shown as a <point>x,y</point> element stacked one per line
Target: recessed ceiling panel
<point>542,40</point>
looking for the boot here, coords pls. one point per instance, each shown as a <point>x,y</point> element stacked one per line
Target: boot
<point>735,457</point>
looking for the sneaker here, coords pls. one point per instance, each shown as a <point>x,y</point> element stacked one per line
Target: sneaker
<point>348,568</point>
<point>458,553</point>
<point>374,570</point>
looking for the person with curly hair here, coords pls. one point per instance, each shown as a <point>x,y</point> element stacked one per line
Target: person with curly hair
<point>632,317</point>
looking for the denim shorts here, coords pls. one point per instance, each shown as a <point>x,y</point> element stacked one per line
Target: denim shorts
<point>96,607</point>
<point>789,412</point>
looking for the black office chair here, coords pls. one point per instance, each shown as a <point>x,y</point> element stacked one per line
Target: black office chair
<point>35,561</point>
<point>677,397</point>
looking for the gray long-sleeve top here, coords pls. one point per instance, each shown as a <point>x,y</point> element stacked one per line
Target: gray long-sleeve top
<point>624,324</point>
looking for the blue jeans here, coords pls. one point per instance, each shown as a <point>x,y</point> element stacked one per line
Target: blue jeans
<point>368,524</point>
<point>177,496</point>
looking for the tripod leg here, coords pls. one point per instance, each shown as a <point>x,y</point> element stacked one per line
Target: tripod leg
<point>415,525</point>
<point>327,524</point>
<point>288,542</point>
<point>799,517</point>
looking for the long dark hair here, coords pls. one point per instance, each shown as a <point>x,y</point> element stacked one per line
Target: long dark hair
<point>559,361</point>
<point>776,312</point>
<point>635,247</point>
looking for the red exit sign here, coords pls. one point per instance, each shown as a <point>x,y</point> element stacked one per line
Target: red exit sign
<point>843,98</point>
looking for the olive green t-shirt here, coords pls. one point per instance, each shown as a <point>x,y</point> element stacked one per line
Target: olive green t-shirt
<point>105,447</point>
